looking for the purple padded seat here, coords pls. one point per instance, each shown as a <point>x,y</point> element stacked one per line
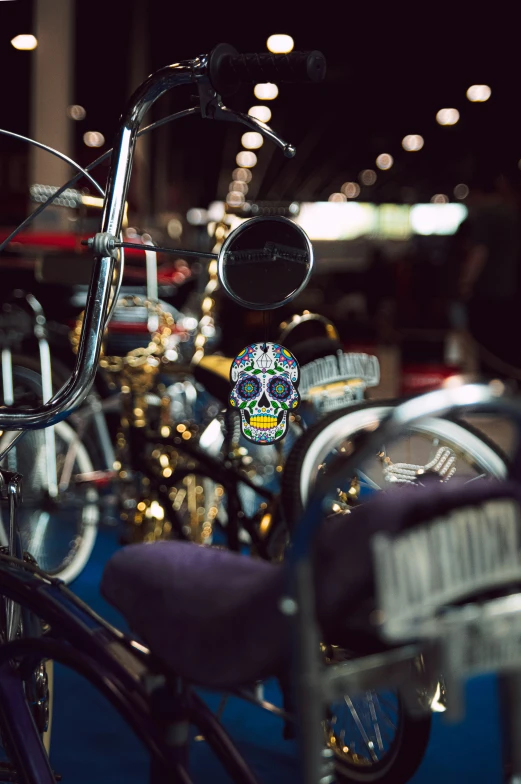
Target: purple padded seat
<point>212,615</point>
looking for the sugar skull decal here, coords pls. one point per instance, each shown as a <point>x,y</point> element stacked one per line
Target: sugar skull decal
<point>265,378</point>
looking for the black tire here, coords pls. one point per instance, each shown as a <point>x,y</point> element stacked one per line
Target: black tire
<point>401,762</point>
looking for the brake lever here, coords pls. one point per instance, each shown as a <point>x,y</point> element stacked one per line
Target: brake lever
<point>213,108</point>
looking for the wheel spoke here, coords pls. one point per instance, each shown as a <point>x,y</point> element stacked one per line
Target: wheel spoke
<point>366,481</point>
<point>385,718</point>
<point>361,729</point>
<point>376,725</point>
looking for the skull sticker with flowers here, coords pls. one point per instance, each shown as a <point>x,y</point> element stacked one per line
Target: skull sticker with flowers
<point>265,380</point>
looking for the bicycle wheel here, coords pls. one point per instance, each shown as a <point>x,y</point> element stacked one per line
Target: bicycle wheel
<point>374,737</point>
<point>58,530</point>
<point>473,455</point>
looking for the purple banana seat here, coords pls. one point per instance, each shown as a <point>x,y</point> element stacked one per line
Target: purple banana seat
<point>212,616</point>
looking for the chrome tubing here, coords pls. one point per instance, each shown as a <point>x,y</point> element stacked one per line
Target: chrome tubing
<point>72,394</point>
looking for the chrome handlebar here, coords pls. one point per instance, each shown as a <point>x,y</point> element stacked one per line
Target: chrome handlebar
<point>77,388</point>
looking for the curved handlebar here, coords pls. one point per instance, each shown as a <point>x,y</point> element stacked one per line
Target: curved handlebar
<point>76,389</point>
<point>486,398</point>
<point>294,67</point>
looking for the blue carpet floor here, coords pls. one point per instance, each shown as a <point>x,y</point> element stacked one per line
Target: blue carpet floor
<point>91,744</point>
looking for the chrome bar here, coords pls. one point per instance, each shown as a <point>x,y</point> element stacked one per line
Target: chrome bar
<point>50,436</point>
<point>7,377</point>
<point>256,125</point>
<point>76,389</point>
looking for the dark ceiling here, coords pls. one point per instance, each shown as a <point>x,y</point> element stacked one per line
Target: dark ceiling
<point>388,75</point>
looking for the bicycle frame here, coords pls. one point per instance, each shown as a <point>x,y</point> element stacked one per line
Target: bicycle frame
<point>120,668</point>
<point>123,670</point>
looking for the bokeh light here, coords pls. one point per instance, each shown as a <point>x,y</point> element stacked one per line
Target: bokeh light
<point>235,199</point>
<point>413,142</point>
<point>252,140</point>
<point>280,44</point>
<point>266,92</point>
<point>384,161</point>
<point>367,177</point>
<point>76,112</point>
<point>350,189</point>
<point>246,159</point>
<point>196,216</point>
<point>447,117</point>
<point>479,93</point>
<point>24,43</point>
<point>174,228</point>
<point>440,198</point>
<point>94,139</point>
<point>262,113</point>
<point>239,187</point>
<point>242,175</point>
<point>461,191</point>
<point>337,197</point>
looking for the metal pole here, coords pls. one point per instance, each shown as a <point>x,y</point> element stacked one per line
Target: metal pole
<point>52,84</point>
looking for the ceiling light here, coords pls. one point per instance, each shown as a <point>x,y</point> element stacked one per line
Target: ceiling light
<point>350,189</point>
<point>479,93</point>
<point>266,92</point>
<point>262,113</point>
<point>413,142</point>
<point>367,177</point>
<point>239,187</point>
<point>461,191</point>
<point>246,159</point>
<point>280,44</point>
<point>242,175</point>
<point>24,42</point>
<point>94,139</point>
<point>384,161</point>
<point>447,117</point>
<point>235,199</point>
<point>76,112</point>
<point>252,140</point>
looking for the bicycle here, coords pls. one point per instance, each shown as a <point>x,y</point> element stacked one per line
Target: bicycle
<point>126,680</point>
<point>462,620</point>
<point>123,669</point>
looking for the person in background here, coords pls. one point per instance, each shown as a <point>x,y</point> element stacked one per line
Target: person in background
<point>490,276</point>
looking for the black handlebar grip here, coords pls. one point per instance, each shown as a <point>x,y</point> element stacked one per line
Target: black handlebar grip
<point>228,70</point>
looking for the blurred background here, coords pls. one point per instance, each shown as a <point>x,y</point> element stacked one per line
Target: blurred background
<point>407,180</point>
<point>406,176</point>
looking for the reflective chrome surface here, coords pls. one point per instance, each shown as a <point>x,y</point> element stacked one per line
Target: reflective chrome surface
<point>99,299</point>
<point>279,296</point>
<point>76,389</point>
<point>256,125</point>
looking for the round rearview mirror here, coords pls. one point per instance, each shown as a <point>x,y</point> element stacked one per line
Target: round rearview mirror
<point>265,262</point>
